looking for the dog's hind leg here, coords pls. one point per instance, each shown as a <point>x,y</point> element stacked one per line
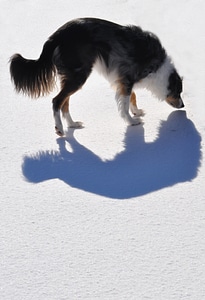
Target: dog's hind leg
<point>69,85</point>
<point>123,97</point>
<point>57,103</point>
<point>133,106</point>
<point>61,103</point>
<point>67,116</point>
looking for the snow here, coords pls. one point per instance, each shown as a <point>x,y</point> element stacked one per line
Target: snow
<point>109,211</point>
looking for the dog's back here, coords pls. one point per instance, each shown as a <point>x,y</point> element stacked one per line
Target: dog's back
<point>127,48</point>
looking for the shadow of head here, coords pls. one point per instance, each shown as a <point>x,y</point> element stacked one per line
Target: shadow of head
<point>139,169</point>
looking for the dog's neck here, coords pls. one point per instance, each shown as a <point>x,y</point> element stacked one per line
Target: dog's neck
<point>157,82</point>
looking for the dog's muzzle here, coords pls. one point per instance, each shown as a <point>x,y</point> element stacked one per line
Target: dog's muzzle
<point>176,103</point>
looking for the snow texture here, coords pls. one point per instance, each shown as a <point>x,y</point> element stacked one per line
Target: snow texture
<point>108,211</point>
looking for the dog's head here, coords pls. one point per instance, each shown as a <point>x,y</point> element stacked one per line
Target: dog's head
<point>175,90</point>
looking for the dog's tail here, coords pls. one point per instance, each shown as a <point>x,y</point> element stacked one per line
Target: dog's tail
<point>34,77</point>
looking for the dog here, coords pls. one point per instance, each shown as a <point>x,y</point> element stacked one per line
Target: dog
<point>126,55</point>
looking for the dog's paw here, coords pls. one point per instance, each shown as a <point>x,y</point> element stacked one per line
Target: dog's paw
<point>76,125</point>
<point>135,121</point>
<point>58,131</point>
<point>137,112</point>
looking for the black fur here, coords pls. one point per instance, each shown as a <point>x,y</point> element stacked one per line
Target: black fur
<point>175,85</point>
<point>78,44</point>
<point>134,51</point>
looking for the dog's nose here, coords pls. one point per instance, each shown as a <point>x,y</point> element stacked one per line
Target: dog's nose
<point>175,102</point>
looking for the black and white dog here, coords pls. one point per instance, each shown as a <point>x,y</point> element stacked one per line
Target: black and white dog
<point>125,55</point>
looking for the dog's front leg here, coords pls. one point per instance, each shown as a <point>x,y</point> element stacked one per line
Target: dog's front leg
<point>123,103</point>
<point>133,106</point>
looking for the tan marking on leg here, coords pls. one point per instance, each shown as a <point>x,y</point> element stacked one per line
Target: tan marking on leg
<point>121,88</point>
<point>133,106</point>
<point>133,99</point>
<point>65,105</point>
<point>66,114</point>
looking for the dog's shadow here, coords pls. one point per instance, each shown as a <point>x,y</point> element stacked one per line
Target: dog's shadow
<point>140,169</point>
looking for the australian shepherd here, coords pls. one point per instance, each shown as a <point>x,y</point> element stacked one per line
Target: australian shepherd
<point>126,55</point>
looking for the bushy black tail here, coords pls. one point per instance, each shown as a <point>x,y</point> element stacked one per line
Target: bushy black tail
<point>34,77</point>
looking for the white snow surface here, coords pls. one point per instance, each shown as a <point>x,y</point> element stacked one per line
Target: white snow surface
<point>108,211</point>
